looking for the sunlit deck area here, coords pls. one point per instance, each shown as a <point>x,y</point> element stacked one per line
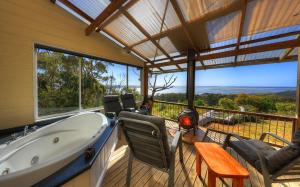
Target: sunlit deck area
<point>122,92</point>
<point>185,175</point>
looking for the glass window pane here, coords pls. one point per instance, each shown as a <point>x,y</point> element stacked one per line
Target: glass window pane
<point>116,78</point>
<point>134,82</point>
<point>93,79</point>
<point>58,82</point>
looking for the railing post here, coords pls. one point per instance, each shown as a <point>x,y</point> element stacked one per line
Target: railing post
<point>298,92</point>
<point>145,83</point>
<point>190,78</point>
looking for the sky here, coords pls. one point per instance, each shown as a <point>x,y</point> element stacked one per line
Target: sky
<point>267,75</point>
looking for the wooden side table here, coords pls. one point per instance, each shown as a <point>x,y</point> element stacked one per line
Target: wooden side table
<point>219,163</point>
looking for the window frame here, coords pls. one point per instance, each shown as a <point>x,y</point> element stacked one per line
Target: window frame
<point>80,109</point>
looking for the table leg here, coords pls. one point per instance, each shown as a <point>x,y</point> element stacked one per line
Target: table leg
<point>198,163</point>
<point>211,179</point>
<point>237,182</point>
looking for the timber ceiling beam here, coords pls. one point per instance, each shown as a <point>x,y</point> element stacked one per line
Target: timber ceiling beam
<point>87,17</point>
<point>286,52</point>
<point>241,26</point>
<point>68,4</point>
<point>144,32</point>
<point>117,14</point>
<point>243,51</point>
<point>109,10</point>
<point>242,63</point>
<point>184,26</point>
<point>235,6</point>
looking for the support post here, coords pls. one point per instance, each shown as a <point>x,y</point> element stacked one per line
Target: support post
<point>297,125</point>
<point>145,83</point>
<point>191,77</point>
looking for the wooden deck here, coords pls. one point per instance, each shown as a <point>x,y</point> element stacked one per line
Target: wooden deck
<point>185,175</point>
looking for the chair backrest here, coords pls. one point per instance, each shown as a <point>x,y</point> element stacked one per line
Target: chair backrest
<point>147,138</point>
<point>112,104</point>
<point>128,101</point>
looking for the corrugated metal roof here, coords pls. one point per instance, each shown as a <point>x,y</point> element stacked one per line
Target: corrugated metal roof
<point>223,28</point>
<point>271,33</point>
<point>261,55</point>
<point>124,30</point>
<point>267,15</point>
<point>169,67</point>
<point>219,61</point>
<point>93,8</point>
<point>167,45</point>
<point>148,49</point>
<point>193,9</point>
<point>223,43</point>
<point>149,14</point>
<point>263,18</point>
<point>270,41</point>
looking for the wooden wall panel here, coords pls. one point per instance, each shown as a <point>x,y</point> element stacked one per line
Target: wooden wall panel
<point>23,23</point>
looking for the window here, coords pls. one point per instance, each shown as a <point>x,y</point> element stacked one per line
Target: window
<point>134,82</point>
<point>68,82</point>
<point>58,82</point>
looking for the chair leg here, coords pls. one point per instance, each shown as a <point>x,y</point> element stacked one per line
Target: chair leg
<point>267,181</point>
<point>171,171</point>
<point>180,150</point>
<point>129,169</point>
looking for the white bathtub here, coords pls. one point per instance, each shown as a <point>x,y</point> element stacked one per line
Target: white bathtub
<point>39,154</point>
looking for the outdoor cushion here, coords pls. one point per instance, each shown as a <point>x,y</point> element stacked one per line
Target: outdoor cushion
<point>128,100</point>
<point>157,121</point>
<point>112,104</point>
<point>279,158</point>
<point>249,152</point>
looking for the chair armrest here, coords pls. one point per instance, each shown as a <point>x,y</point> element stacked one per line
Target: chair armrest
<point>177,139</point>
<point>259,153</point>
<point>129,109</point>
<point>263,136</point>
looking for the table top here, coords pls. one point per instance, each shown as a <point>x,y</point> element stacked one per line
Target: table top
<point>219,161</point>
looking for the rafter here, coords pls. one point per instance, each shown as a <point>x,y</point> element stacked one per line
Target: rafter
<point>184,26</point>
<point>243,63</point>
<point>243,51</point>
<point>161,28</point>
<point>143,31</point>
<point>286,52</point>
<point>110,9</point>
<point>209,16</point>
<point>87,17</point>
<point>117,14</point>
<point>68,4</point>
<point>241,26</point>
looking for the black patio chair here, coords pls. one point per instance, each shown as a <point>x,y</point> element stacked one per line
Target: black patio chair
<point>148,142</point>
<point>276,166</point>
<point>130,105</point>
<point>112,106</point>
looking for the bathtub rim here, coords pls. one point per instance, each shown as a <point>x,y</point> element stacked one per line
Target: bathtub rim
<point>67,172</point>
<point>73,153</point>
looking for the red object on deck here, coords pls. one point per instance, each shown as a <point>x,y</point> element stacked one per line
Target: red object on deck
<point>185,120</point>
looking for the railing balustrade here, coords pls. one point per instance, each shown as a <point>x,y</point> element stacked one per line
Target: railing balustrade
<point>245,124</point>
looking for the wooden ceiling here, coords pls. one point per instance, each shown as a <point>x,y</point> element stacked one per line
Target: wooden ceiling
<point>222,30</point>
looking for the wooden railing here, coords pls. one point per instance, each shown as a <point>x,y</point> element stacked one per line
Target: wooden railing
<point>245,124</point>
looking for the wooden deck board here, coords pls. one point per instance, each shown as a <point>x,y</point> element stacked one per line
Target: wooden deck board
<point>145,175</point>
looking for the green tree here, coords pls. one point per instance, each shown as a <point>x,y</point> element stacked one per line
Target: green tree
<point>227,103</point>
<point>199,102</point>
<point>286,108</point>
